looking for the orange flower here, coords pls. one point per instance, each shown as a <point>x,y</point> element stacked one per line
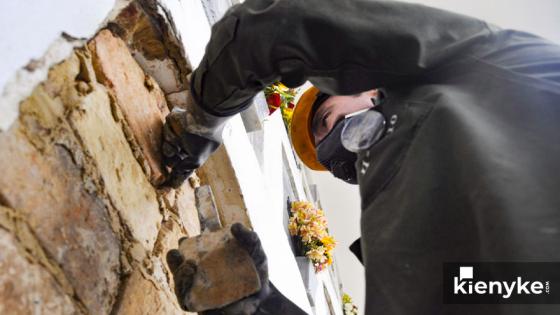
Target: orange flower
<point>317,254</point>
<point>293,227</point>
<point>310,224</point>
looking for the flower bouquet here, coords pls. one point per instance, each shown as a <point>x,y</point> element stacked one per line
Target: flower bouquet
<point>348,306</point>
<point>280,96</point>
<point>308,225</point>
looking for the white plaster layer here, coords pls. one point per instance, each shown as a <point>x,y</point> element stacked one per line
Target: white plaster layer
<point>24,81</point>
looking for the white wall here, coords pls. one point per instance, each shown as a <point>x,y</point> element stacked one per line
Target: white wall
<point>28,27</point>
<point>341,201</point>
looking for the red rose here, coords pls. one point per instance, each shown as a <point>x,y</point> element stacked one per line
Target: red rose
<point>274,100</point>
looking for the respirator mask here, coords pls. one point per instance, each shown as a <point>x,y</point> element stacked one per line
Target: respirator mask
<point>356,132</point>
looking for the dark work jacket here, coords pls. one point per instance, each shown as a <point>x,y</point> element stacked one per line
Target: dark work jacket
<point>469,168</point>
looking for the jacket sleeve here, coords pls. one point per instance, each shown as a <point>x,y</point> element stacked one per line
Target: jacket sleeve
<point>342,47</point>
<point>278,304</point>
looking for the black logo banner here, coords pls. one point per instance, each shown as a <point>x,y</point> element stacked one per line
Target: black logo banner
<point>501,283</point>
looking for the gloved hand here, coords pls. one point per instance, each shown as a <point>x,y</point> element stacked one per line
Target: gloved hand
<point>184,271</point>
<point>190,135</point>
<point>183,151</point>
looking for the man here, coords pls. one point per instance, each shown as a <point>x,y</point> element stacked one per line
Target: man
<point>466,165</point>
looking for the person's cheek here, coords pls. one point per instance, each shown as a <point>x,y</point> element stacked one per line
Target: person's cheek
<point>333,119</point>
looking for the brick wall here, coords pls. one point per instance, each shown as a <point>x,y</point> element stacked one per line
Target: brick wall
<point>83,226</point>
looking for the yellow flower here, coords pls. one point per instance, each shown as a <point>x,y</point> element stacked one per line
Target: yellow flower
<point>281,87</point>
<point>301,217</point>
<point>292,226</point>
<point>329,260</point>
<point>318,230</point>
<point>305,234</point>
<point>329,242</point>
<point>346,298</point>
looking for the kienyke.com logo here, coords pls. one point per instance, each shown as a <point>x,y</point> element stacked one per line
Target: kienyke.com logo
<point>501,283</point>
<point>465,283</point>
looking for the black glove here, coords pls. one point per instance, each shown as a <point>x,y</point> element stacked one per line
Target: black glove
<point>268,301</point>
<point>190,135</point>
<point>183,150</point>
<point>184,271</point>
